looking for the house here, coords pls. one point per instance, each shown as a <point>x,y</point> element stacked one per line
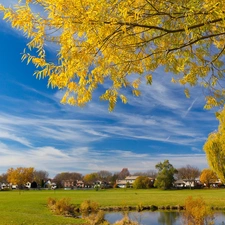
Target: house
<point>121,183</point>
<point>50,185</point>
<point>179,184</point>
<point>28,185</point>
<point>184,183</point>
<point>80,184</point>
<point>131,179</point>
<point>14,186</point>
<point>3,186</point>
<point>127,182</point>
<point>68,183</point>
<point>53,186</point>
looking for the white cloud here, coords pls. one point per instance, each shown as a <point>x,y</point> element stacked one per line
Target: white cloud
<point>86,160</point>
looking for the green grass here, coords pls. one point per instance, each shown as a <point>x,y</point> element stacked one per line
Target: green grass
<point>30,207</point>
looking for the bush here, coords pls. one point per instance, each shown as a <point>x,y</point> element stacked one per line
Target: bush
<point>139,207</point>
<point>197,212</point>
<point>96,218</point>
<point>89,206</point>
<point>62,207</point>
<point>126,221</point>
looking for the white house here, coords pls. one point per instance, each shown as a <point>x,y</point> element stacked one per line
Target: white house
<point>128,181</point>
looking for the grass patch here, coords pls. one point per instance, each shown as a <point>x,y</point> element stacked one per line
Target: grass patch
<point>30,207</point>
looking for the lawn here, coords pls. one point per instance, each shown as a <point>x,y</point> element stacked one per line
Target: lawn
<point>30,207</point>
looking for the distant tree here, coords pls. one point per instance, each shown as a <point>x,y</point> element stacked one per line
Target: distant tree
<point>113,179</point>
<point>149,173</point>
<point>20,176</point>
<point>59,178</point>
<point>189,173</point>
<point>142,182</point>
<point>123,173</point>
<point>165,177</point>
<point>208,176</point>
<point>91,177</point>
<point>3,178</point>
<point>40,176</point>
<point>104,175</point>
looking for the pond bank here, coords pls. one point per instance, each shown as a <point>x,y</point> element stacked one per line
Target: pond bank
<point>140,208</point>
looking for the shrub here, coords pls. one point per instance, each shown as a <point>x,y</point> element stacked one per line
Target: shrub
<point>89,206</point>
<point>139,207</point>
<point>96,218</point>
<point>197,212</point>
<point>126,221</point>
<point>62,207</point>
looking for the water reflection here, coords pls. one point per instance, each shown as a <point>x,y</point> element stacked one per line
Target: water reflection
<point>148,218</point>
<point>168,218</point>
<point>157,218</point>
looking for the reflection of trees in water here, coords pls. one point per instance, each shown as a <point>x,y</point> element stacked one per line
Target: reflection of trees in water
<point>137,216</point>
<point>168,218</point>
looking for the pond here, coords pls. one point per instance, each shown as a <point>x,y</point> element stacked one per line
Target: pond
<point>158,217</point>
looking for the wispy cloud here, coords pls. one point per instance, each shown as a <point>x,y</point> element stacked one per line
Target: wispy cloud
<point>88,160</point>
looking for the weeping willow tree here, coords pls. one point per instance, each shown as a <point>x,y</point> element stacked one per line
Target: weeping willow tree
<point>215,148</point>
<point>111,40</point>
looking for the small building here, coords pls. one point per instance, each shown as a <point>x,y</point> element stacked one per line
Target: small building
<point>68,183</point>
<point>127,182</point>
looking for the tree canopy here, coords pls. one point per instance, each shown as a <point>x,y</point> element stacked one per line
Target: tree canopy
<point>142,182</point>
<point>107,42</point>
<point>20,175</point>
<point>215,147</point>
<point>165,176</point>
<point>208,177</point>
<point>188,172</point>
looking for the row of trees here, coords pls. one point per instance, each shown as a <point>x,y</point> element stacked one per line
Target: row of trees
<point>163,179</point>
<point>167,174</point>
<point>21,175</point>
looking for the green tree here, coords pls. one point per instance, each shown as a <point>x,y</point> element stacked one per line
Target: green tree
<point>208,176</point>
<point>142,182</point>
<point>101,40</point>
<point>165,177</point>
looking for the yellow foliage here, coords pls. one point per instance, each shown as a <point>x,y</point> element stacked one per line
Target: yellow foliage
<point>214,147</point>
<point>208,176</point>
<point>100,39</point>
<point>20,175</point>
<point>197,212</point>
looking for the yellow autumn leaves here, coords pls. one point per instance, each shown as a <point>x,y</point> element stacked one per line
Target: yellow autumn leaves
<point>109,41</point>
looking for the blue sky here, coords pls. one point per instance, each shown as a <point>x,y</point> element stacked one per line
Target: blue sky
<point>36,130</point>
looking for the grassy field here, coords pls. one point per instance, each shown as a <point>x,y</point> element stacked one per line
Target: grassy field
<point>30,207</point>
